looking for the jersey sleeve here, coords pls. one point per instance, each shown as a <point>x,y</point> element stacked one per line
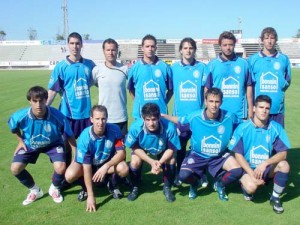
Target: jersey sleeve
<point>83,154</point>
<point>55,82</point>
<point>173,139</point>
<point>131,140</point>
<point>236,142</point>
<point>281,142</point>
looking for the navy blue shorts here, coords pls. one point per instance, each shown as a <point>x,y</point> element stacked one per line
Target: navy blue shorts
<point>78,126</point>
<point>199,165</point>
<point>279,118</point>
<point>55,153</point>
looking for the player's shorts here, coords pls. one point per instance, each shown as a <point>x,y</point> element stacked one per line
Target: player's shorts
<point>55,153</point>
<point>78,126</point>
<point>123,126</point>
<point>199,165</point>
<point>279,118</point>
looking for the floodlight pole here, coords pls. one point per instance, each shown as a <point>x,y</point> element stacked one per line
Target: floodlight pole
<point>66,20</point>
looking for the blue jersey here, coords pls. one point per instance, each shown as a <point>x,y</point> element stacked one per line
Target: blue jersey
<point>232,77</point>
<point>73,81</point>
<point>259,144</point>
<point>149,83</point>
<point>271,76</point>
<point>95,150</point>
<point>40,133</point>
<point>153,142</point>
<point>209,137</point>
<point>188,82</point>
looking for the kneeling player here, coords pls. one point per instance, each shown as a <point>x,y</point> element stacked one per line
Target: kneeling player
<point>154,136</point>
<point>260,146</point>
<point>39,129</point>
<point>100,152</point>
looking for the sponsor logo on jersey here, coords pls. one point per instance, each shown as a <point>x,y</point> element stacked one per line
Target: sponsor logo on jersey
<point>151,90</point>
<point>230,87</point>
<point>268,82</point>
<point>81,89</point>
<point>258,155</point>
<point>39,141</point>
<point>187,91</point>
<point>211,145</point>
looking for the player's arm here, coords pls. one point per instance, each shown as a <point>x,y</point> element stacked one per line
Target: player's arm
<point>260,169</point>
<point>103,170</point>
<point>173,119</point>
<point>91,201</point>
<point>21,144</point>
<point>51,96</point>
<point>168,154</point>
<point>249,94</point>
<point>155,165</point>
<point>244,164</point>
<point>72,142</point>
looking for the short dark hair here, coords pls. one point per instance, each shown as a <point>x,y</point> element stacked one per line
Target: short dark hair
<point>149,37</point>
<point>110,41</point>
<point>99,108</point>
<point>75,35</point>
<point>37,92</point>
<point>227,35</point>
<point>188,40</point>
<point>268,30</point>
<point>263,98</point>
<point>214,91</point>
<point>150,109</point>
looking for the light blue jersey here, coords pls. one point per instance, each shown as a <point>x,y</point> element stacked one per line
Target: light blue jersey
<point>95,150</point>
<point>259,144</point>
<point>149,83</point>
<point>73,82</point>
<point>271,76</point>
<point>153,143</point>
<point>232,77</point>
<point>188,82</point>
<point>40,133</point>
<point>209,137</point>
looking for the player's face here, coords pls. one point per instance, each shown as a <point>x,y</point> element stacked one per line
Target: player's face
<point>262,112</point>
<point>99,120</point>
<point>110,52</point>
<point>227,47</point>
<point>149,48</point>
<point>151,123</point>
<point>38,106</point>
<point>74,46</point>
<point>269,42</point>
<point>187,52</point>
<point>213,103</point>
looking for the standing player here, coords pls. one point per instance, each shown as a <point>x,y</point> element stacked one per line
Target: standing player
<point>211,131</point>
<point>271,72</point>
<point>188,77</point>
<point>72,78</point>
<point>100,153</point>
<point>231,74</point>
<point>149,79</point>
<point>39,129</point>
<point>260,147</point>
<point>110,78</point>
<point>154,136</point>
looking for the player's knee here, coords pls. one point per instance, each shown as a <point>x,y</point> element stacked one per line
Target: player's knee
<point>135,162</point>
<point>185,175</point>
<point>283,166</point>
<point>250,187</point>
<point>122,169</point>
<point>59,167</point>
<point>16,168</point>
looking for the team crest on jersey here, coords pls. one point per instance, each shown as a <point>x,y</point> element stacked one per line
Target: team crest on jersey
<point>196,74</point>
<point>47,128</point>
<point>59,149</point>
<point>157,73</point>
<point>221,129</point>
<point>277,65</point>
<point>108,144</point>
<point>160,142</point>
<point>190,161</point>
<point>237,69</point>
<point>232,141</point>
<point>86,71</point>
<point>268,138</point>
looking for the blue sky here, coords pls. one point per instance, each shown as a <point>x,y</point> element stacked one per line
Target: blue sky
<point>132,19</point>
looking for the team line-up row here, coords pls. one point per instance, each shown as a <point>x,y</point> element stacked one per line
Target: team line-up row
<point>234,121</point>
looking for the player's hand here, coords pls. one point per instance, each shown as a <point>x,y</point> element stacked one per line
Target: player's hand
<point>259,171</point>
<point>156,167</point>
<point>21,145</point>
<point>100,174</point>
<point>91,204</point>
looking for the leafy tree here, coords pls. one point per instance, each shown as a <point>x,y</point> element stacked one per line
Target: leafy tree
<point>298,34</point>
<point>86,37</point>
<point>2,35</point>
<point>60,37</point>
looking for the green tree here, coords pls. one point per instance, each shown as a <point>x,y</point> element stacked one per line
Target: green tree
<point>298,34</point>
<point>2,35</point>
<point>86,37</point>
<point>60,37</point>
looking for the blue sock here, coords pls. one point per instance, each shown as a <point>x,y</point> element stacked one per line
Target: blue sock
<point>57,179</point>
<point>231,176</point>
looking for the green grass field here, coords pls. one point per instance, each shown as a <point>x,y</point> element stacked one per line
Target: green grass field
<point>151,206</point>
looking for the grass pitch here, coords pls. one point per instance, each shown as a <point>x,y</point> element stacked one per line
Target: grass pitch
<point>151,206</point>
